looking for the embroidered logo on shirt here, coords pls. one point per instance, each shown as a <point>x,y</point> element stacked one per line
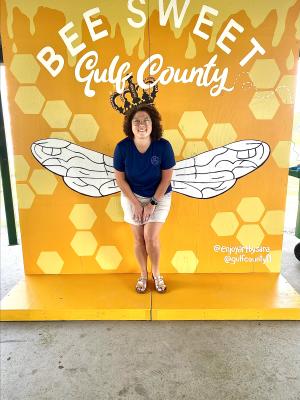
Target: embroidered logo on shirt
<point>155,160</point>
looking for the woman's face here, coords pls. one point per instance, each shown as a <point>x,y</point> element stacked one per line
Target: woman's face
<point>141,125</point>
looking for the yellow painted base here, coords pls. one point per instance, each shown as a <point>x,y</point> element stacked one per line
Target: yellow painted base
<point>254,296</point>
<point>76,297</point>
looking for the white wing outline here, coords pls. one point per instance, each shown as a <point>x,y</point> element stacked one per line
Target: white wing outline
<point>212,173</point>
<point>203,176</point>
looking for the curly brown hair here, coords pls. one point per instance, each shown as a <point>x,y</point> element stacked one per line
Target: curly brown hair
<point>157,129</point>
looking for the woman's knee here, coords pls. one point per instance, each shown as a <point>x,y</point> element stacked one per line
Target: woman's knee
<point>139,241</point>
<point>151,239</point>
<point>138,234</point>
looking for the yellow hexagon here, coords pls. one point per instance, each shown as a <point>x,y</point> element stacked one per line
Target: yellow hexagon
<point>29,99</point>
<point>281,153</point>
<point>193,148</point>
<point>25,68</point>
<point>114,209</point>
<point>84,243</point>
<point>21,168</point>
<point>250,235</point>
<point>221,134</point>
<point>264,73</point>
<point>84,127</point>
<point>264,104</point>
<point>57,113</point>
<point>273,222</point>
<point>25,196</point>
<point>273,261</point>
<point>225,223</point>
<point>185,261</point>
<point>251,209</point>
<point>286,89</point>
<point>108,257</point>
<point>62,135</point>
<point>193,124</point>
<point>42,181</point>
<point>82,216</point>
<point>174,137</point>
<point>50,262</point>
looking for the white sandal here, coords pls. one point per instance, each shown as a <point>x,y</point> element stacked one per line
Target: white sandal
<point>141,285</point>
<point>160,285</point>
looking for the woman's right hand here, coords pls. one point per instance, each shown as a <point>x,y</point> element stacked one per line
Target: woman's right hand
<point>138,211</point>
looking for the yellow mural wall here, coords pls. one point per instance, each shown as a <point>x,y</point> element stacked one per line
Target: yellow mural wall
<point>239,230</point>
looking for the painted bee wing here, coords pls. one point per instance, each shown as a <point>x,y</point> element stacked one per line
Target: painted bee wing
<point>203,176</point>
<point>83,170</point>
<point>214,172</point>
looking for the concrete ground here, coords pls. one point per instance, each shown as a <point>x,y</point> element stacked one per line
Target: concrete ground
<point>209,360</point>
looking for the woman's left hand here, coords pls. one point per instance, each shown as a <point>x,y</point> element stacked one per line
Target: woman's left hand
<point>148,211</point>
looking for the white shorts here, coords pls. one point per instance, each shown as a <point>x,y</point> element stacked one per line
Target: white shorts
<point>160,213</point>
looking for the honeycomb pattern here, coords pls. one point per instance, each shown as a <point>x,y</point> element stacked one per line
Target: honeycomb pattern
<point>186,138</point>
<point>221,134</point>
<point>193,124</point>
<point>108,257</point>
<point>264,104</point>
<point>50,262</point>
<point>255,222</point>
<point>185,261</point>
<point>225,223</point>
<point>191,138</point>
<point>264,73</point>
<point>25,68</point>
<point>286,89</point>
<point>193,148</point>
<point>29,99</point>
<point>62,135</point>
<point>43,182</point>
<point>114,209</point>
<point>25,196</point>
<point>281,154</point>
<point>82,216</point>
<point>273,222</point>
<point>176,140</point>
<point>57,114</point>
<point>251,209</point>
<point>84,127</point>
<point>21,168</point>
<point>250,234</point>
<point>84,243</point>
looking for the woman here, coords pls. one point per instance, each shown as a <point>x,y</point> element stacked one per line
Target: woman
<point>143,163</point>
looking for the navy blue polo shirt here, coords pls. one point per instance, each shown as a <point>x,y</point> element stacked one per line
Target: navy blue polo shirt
<point>143,170</point>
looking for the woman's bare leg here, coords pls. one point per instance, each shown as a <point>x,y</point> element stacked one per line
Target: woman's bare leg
<point>151,235</point>
<point>140,247</point>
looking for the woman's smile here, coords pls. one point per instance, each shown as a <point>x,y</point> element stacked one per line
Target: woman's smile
<point>141,124</point>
